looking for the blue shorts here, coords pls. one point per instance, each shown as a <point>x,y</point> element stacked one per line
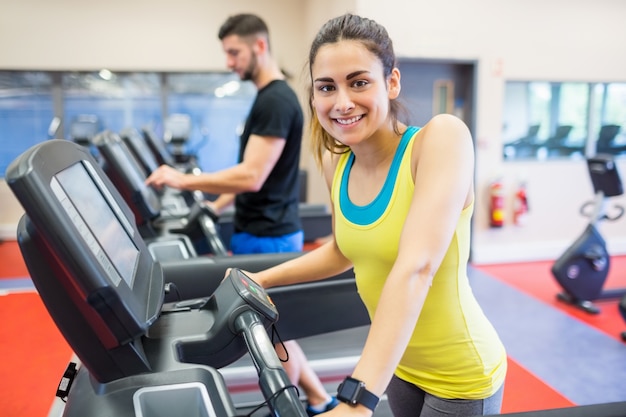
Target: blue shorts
<point>245,243</point>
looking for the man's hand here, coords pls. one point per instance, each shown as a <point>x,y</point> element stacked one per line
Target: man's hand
<point>166,176</point>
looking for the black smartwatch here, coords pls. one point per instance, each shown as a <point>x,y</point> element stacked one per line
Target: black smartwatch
<point>352,391</point>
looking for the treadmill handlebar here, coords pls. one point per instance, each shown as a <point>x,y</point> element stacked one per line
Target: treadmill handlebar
<point>212,235</point>
<point>281,395</point>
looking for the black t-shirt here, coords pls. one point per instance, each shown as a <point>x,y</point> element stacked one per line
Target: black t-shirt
<point>273,210</point>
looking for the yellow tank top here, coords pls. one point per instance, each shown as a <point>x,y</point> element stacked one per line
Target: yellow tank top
<point>454,352</point>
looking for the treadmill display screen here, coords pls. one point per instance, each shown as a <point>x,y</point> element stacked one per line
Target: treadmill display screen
<point>97,222</point>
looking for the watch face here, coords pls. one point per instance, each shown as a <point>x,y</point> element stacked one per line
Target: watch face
<point>353,392</point>
<point>349,390</point>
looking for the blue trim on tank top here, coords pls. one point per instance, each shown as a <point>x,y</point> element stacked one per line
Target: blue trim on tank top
<point>369,213</point>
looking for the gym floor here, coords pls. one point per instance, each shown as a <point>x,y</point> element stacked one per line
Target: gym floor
<point>558,355</point>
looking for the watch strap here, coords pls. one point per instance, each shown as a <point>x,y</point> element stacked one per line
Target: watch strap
<point>368,399</point>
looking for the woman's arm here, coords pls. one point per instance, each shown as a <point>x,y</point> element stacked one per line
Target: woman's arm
<point>443,171</point>
<point>322,262</point>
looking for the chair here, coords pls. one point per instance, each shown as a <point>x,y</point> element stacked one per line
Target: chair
<point>606,140</point>
<point>524,147</point>
<point>560,136</point>
<point>557,145</point>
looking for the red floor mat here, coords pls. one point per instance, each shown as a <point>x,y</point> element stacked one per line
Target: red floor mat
<point>525,392</point>
<point>34,356</point>
<point>11,261</point>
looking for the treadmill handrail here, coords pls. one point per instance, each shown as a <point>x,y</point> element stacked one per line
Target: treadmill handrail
<point>280,394</point>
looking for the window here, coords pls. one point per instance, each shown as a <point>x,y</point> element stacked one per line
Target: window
<point>217,104</point>
<point>544,120</point>
<point>611,115</point>
<point>26,113</point>
<point>116,100</point>
<point>36,106</point>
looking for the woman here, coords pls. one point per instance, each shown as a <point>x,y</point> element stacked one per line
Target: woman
<point>402,200</point>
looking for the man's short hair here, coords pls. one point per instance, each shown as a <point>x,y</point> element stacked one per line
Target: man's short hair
<point>243,25</point>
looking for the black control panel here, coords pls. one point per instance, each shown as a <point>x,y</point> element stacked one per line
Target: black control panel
<point>253,294</point>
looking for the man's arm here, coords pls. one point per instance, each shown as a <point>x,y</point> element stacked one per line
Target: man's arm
<point>221,203</point>
<point>260,157</point>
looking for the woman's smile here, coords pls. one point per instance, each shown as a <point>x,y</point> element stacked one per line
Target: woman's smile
<point>348,121</point>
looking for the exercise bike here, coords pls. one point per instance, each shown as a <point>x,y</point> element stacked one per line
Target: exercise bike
<point>583,268</point>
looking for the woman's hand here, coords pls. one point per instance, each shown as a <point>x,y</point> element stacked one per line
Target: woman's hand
<point>343,410</point>
<point>250,275</point>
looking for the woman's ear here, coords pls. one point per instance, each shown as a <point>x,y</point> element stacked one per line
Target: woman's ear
<point>394,84</point>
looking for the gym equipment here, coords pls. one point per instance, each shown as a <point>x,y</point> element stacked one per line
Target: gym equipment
<point>139,356</point>
<point>199,277</point>
<point>82,130</point>
<point>583,268</point>
<point>162,154</point>
<point>140,149</point>
<point>176,135</point>
<point>607,143</point>
<point>171,216</point>
<point>524,147</point>
<point>128,175</point>
<point>316,218</point>
<point>199,221</point>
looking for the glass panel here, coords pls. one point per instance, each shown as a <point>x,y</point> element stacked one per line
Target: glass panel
<point>568,115</point>
<point>557,119</point>
<point>93,101</point>
<point>26,113</point>
<point>611,111</point>
<point>526,118</point>
<point>115,100</point>
<point>218,104</point>
<point>540,96</point>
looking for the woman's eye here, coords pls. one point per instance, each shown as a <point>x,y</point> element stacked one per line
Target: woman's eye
<point>326,88</point>
<point>360,83</point>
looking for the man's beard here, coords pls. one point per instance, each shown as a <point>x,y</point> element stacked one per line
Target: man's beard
<point>249,73</point>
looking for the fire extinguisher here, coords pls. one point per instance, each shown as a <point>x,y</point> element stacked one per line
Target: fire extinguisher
<point>496,204</point>
<point>520,205</point>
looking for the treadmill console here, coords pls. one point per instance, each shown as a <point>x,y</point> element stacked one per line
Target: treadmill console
<point>219,344</point>
<point>253,294</point>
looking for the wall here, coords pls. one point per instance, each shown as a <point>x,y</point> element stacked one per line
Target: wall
<point>555,40</point>
<point>161,35</point>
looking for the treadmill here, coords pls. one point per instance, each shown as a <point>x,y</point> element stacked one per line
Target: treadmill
<point>138,354</point>
<point>171,219</point>
<point>316,218</point>
<point>140,149</point>
<point>162,154</point>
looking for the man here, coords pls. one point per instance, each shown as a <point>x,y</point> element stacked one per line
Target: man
<point>264,184</point>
